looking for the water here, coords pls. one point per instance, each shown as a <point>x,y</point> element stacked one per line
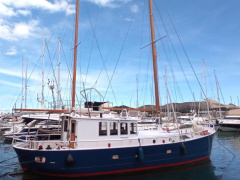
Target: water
<point>223,164</point>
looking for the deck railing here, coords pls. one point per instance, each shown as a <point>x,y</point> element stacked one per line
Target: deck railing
<point>185,135</point>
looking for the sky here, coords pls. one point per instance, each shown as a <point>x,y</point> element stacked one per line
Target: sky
<point>114,55</point>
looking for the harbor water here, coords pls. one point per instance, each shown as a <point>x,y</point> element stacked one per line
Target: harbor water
<point>224,164</point>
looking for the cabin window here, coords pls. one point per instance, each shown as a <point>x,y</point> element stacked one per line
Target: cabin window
<point>113,128</point>
<point>65,125</point>
<point>133,128</point>
<point>73,128</point>
<point>124,128</point>
<point>102,128</point>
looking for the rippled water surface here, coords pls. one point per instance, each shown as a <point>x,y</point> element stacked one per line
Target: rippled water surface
<point>223,164</point>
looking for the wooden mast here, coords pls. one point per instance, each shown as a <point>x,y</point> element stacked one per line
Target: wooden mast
<point>75,57</point>
<point>154,55</point>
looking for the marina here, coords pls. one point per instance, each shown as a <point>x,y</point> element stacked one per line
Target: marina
<point>84,132</point>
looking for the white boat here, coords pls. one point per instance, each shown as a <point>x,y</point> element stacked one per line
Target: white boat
<point>185,121</point>
<point>229,123</point>
<point>34,124</point>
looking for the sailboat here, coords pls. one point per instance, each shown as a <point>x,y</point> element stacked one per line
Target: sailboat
<point>106,144</point>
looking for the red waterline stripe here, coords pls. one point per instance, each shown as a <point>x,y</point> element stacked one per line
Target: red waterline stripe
<point>25,169</point>
<point>123,171</point>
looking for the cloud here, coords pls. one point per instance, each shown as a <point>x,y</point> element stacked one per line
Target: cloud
<point>11,51</point>
<point>9,83</point>
<point>24,29</point>
<point>10,11</point>
<point>10,72</point>
<point>18,31</point>
<point>134,8</point>
<point>18,73</point>
<point>8,7</point>
<point>128,19</point>
<point>6,11</point>
<point>70,9</point>
<point>109,3</point>
<point>24,12</point>
<point>6,32</point>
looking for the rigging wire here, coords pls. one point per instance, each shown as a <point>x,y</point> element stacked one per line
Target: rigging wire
<point>168,59</point>
<point>140,52</point>
<point>92,46</point>
<point>144,85</point>
<point>51,62</point>
<point>149,71</point>
<point>63,33</point>
<point>175,53</point>
<point>175,50</point>
<point>185,55</point>
<point>110,50</point>
<point>13,98</point>
<point>69,72</point>
<point>119,55</point>
<point>211,84</point>
<point>220,90</point>
<point>29,77</point>
<point>38,61</point>
<point>100,51</point>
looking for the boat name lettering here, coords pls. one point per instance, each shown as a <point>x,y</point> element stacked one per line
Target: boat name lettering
<point>40,159</point>
<point>115,157</point>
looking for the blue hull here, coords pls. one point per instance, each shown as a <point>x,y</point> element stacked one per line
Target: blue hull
<point>112,161</point>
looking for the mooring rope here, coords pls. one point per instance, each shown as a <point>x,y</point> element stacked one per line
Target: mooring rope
<point>226,149</point>
<point>8,159</point>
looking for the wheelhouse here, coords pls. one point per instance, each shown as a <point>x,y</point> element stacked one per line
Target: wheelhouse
<point>76,129</point>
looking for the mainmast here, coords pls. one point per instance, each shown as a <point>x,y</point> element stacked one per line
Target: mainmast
<point>154,55</point>
<point>75,57</point>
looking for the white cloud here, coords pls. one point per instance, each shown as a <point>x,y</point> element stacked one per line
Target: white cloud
<point>134,8</point>
<point>18,30</point>
<point>128,19</point>
<point>70,9</point>
<point>6,11</point>
<point>6,32</point>
<point>11,51</point>
<point>11,72</point>
<point>109,3</point>
<point>24,29</point>
<point>7,6</point>
<point>17,72</point>
<point>24,12</point>
<point>9,83</point>
<point>10,11</point>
